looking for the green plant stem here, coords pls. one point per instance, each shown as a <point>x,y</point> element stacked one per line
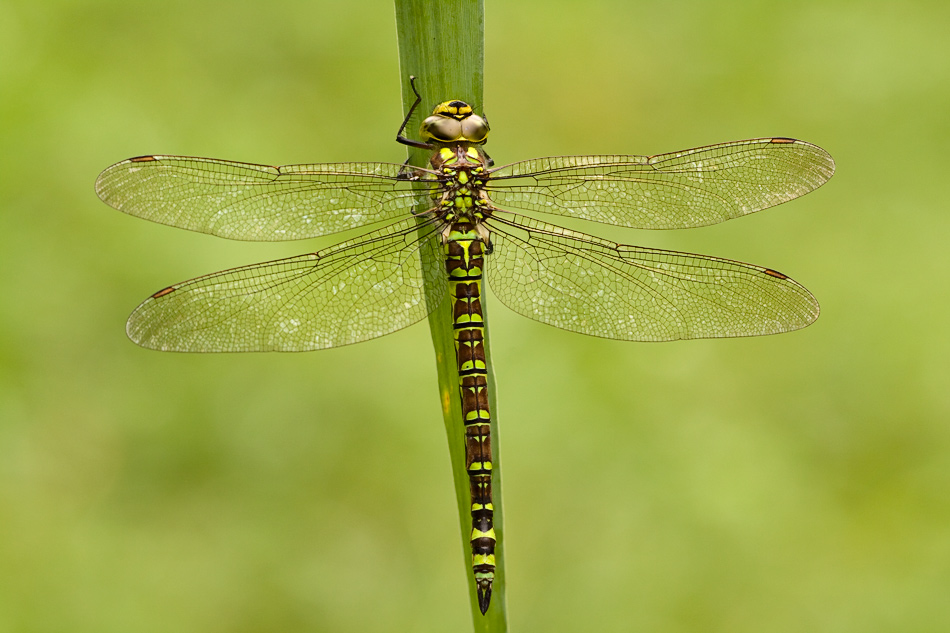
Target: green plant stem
<point>442,43</point>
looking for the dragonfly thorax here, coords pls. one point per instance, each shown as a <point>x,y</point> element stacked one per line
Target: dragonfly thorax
<point>461,195</point>
<point>453,121</point>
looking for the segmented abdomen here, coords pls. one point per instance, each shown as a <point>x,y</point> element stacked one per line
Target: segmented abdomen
<point>464,264</point>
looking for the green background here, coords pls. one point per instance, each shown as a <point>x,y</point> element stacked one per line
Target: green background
<point>789,483</point>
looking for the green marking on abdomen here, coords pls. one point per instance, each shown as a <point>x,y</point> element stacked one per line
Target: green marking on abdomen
<point>464,264</point>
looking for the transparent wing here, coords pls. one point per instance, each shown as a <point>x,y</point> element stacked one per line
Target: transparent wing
<point>694,187</point>
<point>243,201</point>
<point>350,292</point>
<point>584,284</point>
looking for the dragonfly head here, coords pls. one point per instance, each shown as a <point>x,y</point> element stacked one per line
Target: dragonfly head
<point>453,121</point>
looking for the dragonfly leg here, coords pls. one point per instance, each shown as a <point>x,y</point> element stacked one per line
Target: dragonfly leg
<point>409,172</point>
<point>431,211</point>
<point>408,141</point>
<point>485,237</point>
<point>491,161</point>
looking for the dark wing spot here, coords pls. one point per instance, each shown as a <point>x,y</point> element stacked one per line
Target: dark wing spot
<point>142,159</point>
<point>774,273</point>
<point>782,140</point>
<point>163,292</point>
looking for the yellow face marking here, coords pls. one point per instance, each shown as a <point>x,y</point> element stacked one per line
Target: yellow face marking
<point>455,109</point>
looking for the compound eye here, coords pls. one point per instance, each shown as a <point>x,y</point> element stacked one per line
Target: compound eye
<point>441,129</point>
<point>474,129</point>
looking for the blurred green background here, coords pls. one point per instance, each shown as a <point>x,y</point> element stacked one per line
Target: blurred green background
<point>789,483</point>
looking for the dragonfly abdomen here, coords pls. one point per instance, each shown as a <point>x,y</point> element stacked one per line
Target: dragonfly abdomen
<point>464,263</point>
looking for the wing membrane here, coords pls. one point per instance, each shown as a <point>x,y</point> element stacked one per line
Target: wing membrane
<point>584,284</point>
<point>694,187</point>
<point>243,201</point>
<point>350,292</point>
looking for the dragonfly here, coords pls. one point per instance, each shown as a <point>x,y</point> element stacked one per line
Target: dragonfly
<point>436,233</point>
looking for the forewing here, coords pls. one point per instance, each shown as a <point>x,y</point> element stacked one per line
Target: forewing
<point>584,284</point>
<point>243,201</point>
<point>351,292</point>
<point>694,187</point>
